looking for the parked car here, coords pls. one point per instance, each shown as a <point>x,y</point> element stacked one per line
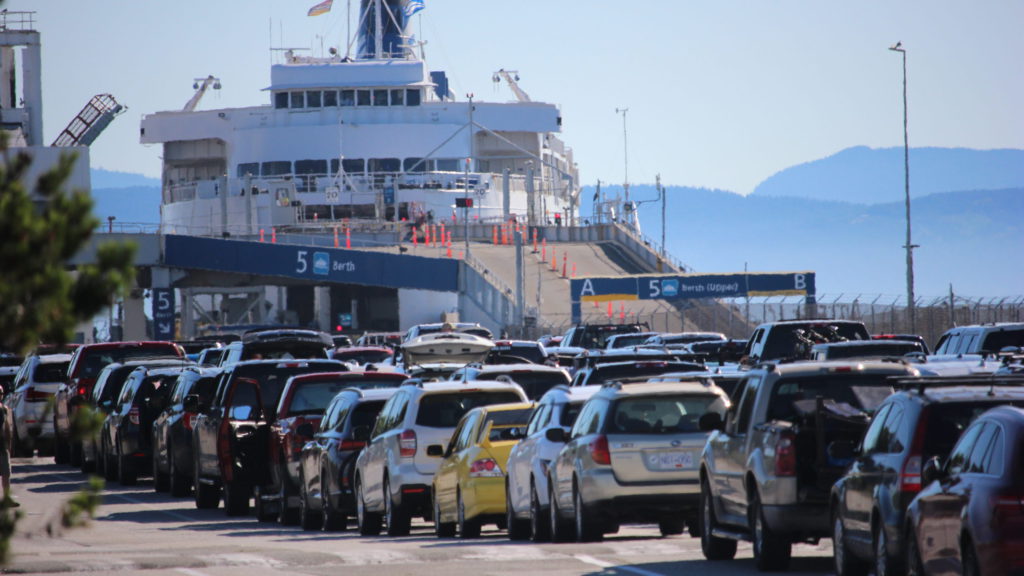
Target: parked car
<point>326,496</point>
<point>383,339</point>
<point>299,411</point>
<point>517,352</point>
<point>361,356</point>
<point>631,371</point>
<point>33,389</point>
<point>767,471</point>
<point>627,340</point>
<point>980,339</point>
<point>172,430</point>
<point>394,472</point>
<point>632,457</point>
<point>210,356</point>
<point>526,484</point>
<point>535,379</point>
<point>104,397</point>
<point>793,339</point>
<point>969,518</point>
<point>436,327</point>
<point>9,365</point>
<point>680,339</point>
<point>911,337</point>
<point>720,351</point>
<point>126,437</point>
<point>469,485</point>
<point>595,336</point>
<point>869,502</point>
<point>86,363</point>
<point>865,349</point>
<point>230,435</point>
<point>278,344</point>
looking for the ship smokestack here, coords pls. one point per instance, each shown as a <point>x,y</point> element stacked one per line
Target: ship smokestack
<point>393,22</point>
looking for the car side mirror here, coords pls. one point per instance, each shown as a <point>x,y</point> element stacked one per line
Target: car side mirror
<point>931,471</point>
<point>305,430</point>
<point>556,435</point>
<point>435,450</point>
<point>710,421</point>
<point>361,433</point>
<point>191,404</point>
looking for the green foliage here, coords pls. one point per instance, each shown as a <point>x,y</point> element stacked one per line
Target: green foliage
<point>41,229</point>
<point>9,517</point>
<point>82,505</point>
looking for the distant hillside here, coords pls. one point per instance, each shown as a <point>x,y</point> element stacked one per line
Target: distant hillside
<point>136,204</point>
<point>970,239</point>
<point>872,175</point>
<point>108,179</point>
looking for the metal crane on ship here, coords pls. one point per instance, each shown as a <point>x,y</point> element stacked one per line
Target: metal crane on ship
<point>201,85</point>
<point>511,77</point>
<point>90,122</point>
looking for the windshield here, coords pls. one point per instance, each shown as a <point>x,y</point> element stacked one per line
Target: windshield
<point>51,372</point>
<point>667,414</point>
<point>93,361</point>
<point>445,410</point>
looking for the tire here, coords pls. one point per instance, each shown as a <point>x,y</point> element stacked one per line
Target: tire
<point>913,554</point>
<point>263,512</point>
<point>236,498</point>
<point>587,529</point>
<point>395,516</point>
<point>127,474</point>
<point>86,466</point>
<point>442,529</point>
<point>161,480</point>
<point>468,527</point>
<point>178,484</point>
<point>517,529</point>
<point>771,552</point>
<point>333,520</point>
<point>671,525</point>
<point>845,562</point>
<point>885,563</point>
<point>540,526</point>
<point>207,496</point>
<point>308,519</point>
<point>713,547</point>
<point>288,516</point>
<point>369,522</point>
<point>969,558</point>
<point>109,464</point>
<point>75,454</point>
<point>561,531</point>
<point>61,451</point>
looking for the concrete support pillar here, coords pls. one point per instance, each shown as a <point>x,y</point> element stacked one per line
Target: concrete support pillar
<point>134,321</point>
<point>354,309</point>
<point>322,307</point>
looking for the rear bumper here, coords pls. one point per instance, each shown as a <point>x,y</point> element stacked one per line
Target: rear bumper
<point>638,502</point>
<point>803,521</point>
<point>485,496</point>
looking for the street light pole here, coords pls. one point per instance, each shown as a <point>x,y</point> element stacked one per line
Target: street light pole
<point>472,145</point>
<point>898,47</point>
<point>625,154</point>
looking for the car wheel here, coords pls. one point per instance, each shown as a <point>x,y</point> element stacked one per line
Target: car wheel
<point>127,475</point>
<point>236,498</point>
<point>307,518</point>
<point>396,517</point>
<point>771,552</point>
<point>332,519</point>
<point>540,526</point>
<point>587,528</point>
<point>885,564</point>
<point>671,525</point>
<point>369,522</point>
<point>86,466</point>
<point>845,563</point>
<point>161,481</point>
<point>517,529</point>
<point>207,496</point>
<point>264,513</point>
<point>61,452</point>
<point>178,483</point>
<point>713,547</point>
<point>561,531</point>
<point>441,529</point>
<point>109,464</point>
<point>969,558</point>
<point>468,527</point>
<point>288,515</point>
<point>913,554</point>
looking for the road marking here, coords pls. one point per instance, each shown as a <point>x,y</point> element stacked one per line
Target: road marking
<point>602,564</point>
<point>191,572</point>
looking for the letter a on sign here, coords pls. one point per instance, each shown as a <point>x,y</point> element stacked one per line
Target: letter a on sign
<point>587,289</point>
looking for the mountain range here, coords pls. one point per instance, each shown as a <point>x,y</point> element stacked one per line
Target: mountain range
<point>842,217</point>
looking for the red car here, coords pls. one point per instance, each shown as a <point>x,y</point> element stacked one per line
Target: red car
<point>970,518</point>
<point>86,363</point>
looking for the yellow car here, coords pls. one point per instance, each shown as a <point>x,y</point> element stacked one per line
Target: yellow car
<point>469,485</point>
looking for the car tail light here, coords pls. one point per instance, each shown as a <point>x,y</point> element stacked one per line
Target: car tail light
<point>484,468</point>
<point>133,415</point>
<point>599,451</point>
<point>349,445</point>
<point>785,454</point>
<point>910,476</point>
<point>189,420</point>
<point>33,395</point>
<point>407,444</point>
<point>1008,505</point>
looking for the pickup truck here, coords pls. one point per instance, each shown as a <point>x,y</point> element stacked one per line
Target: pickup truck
<point>793,339</point>
<point>230,436</point>
<point>767,470</point>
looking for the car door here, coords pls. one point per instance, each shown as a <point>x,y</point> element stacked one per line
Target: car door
<point>726,455</point>
<point>861,479</point>
<point>376,452</point>
<point>521,458</point>
<point>205,431</point>
<point>446,479</point>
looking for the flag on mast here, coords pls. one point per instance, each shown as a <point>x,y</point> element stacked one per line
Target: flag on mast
<point>321,8</point>
<point>412,7</point>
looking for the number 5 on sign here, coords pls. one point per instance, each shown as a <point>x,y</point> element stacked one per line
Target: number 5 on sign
<point>302,265</point>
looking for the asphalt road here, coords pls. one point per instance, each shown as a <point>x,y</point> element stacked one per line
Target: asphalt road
<point>138,531</point>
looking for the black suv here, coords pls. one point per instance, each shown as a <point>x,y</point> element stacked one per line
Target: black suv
<point>172,430</point>
<point>868,504</point>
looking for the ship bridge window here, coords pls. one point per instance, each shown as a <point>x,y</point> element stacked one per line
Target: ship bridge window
<point>298,99</point>
<point>415,165</point>
<point>280,100</point>
<point>249,169</point>
<point>385,165</point>
<point>330,98</point>
<point>350,165</point>
<point>348,98</point>
<point>447,165</point>
<point>276,168</point>
<point>362,97</point>
<point>412,97</point>
<point>380,97</point>
<point>397,97</point>
<point>313,99</point>
<point>307,171</point>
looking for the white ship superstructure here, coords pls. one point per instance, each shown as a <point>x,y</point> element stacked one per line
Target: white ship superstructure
<point>375,136</point>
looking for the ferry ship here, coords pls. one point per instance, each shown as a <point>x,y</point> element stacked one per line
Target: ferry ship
<point>374,135</point>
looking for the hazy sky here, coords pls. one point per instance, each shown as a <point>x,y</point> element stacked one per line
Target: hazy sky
<point>721,93</point>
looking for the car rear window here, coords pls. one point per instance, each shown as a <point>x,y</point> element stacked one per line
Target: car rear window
<point>366,413</point>
<point>313,397</point>
<point>862,393</point>
<point>997,340</point>
<point>56,372</point>
<point>535,384</point>
<point>445,410</point>
<point>282,350</point>
<point>669,414</point>
<point>272,377</point>
<point>362,356</point>
<point>633,372</point>
<point>532,354</point>
<point>570,413</point>
<point>92,362</point>
<point>502,422</point>
<point>947,420</point>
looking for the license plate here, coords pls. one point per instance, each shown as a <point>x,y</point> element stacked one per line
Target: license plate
<point>670,461</point>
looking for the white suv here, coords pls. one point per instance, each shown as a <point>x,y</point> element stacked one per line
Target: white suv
<point>395,470</point>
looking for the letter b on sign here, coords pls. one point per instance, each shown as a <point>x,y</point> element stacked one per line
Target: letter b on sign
<point>800,282</point>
